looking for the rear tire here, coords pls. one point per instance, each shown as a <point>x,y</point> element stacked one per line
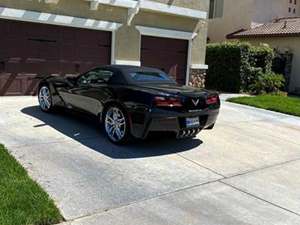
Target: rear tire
<point>116,125</point>
<point>45,99</point>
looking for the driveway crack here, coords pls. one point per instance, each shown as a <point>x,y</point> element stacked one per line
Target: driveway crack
<point>261,199</point>
<point>261,168</point>
<point>200,165</point>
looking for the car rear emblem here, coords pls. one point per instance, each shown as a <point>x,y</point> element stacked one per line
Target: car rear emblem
<point>195,102</point>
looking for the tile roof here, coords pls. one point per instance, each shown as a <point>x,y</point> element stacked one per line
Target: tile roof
<point>283,27</point>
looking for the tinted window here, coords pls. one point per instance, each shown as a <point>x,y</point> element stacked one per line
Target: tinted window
<point>144,76</point>
<point>95,76</point>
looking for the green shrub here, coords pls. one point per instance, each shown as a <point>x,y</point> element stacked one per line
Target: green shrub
<point>224,62</point>
<point>267,83</point>
<point>234,66</point>
<point>262,57</point>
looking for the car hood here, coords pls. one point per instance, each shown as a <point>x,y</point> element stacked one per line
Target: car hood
<point>178,89</point>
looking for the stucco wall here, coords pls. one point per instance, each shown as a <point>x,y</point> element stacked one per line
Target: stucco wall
<point>127,43</point>
<point>199,44</point>
<point>243,14</point>
<point>237,15</point>
<point>283,44</point>
<point>268,10</point>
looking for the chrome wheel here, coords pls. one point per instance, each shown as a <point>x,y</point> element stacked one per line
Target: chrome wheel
<point>45,98</point>
<point>115,124</point>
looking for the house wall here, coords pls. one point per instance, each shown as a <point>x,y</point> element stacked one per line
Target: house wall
<point>283,44</point>
<point>127,38</point>
<point>77,8</point>
<point>237,15</point>
<point>268,10</point>
<point>247,13</point>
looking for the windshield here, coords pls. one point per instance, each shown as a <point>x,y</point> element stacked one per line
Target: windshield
<point>151,77</point>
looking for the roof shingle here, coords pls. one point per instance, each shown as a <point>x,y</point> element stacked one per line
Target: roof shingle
<point>278,28</point>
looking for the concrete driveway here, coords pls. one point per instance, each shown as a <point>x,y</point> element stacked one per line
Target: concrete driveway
<point>244,172</point>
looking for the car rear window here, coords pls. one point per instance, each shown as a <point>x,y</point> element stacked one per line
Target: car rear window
<point>150,77</point>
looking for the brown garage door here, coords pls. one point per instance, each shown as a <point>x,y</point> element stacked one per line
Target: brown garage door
<point>169,55</point>
<point>31,49</point>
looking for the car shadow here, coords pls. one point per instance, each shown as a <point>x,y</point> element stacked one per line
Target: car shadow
<point>87,131</point>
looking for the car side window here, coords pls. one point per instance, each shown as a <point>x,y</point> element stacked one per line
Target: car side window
<point>96,76</point>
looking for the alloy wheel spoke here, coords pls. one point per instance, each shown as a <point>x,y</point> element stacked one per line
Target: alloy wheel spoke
<point>109,120</point>
<point>121,120</point>
<point>45,98</point>
<point>119,134</point>
<point>110,129</point>
<point>115,124</point>
<point>47,103</point>
<point>121,124</point>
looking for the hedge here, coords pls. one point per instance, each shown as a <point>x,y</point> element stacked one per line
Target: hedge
<point>233,66</point>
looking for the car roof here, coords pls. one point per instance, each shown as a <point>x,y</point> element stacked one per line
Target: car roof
<point>126,68</point>
<point>123,72</point>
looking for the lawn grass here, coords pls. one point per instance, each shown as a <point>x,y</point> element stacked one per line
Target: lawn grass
<point>23,201</point>
<point>277,103</point>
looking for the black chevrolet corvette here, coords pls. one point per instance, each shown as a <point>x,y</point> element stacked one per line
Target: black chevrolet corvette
<point>133,101</point>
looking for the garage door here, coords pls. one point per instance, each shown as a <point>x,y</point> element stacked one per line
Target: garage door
<point>31,49</point>
<point>169,55</point>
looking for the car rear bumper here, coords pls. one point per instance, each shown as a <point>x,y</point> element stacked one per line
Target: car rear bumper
<point>166,121</point>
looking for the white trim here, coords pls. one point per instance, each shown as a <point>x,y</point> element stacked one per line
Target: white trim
<point>132,12</point>
<point>199,66</point>
<point>166,33</point>
<point>175,10</point>
<point>119,3</point>
<point>94,5</point>
<point>158,32</point>
<point>113,46</point>
<point>189,59</point>
<point>127,62</point>
<point>55,19</point>
<point>51,1</point>
<point>157,7</point>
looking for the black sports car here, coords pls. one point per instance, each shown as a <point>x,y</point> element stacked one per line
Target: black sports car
<point>133,101</point>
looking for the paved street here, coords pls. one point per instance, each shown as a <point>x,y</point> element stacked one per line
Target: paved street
<point>244,172</point>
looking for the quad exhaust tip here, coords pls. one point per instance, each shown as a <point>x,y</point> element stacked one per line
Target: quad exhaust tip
<point>188,133</point>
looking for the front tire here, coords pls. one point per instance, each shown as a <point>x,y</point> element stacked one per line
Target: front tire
<point>116,125</point>
<point>45,99</point>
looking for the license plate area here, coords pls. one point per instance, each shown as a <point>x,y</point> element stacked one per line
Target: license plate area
<point>192,122</point>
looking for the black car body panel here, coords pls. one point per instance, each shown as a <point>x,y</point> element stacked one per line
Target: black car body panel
<point>137,99</point>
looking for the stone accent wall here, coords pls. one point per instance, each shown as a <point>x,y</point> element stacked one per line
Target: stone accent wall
<point>197,78</point>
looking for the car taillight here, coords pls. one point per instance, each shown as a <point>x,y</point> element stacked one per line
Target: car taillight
<point>212,100</point>
<point>167,101</point>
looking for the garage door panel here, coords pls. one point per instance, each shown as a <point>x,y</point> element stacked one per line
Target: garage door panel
<point>29,49</point>
<point>12,48</point>
<point>86,37</point>
<point>167,43</point>
<point>169,55</point>
<point>17,84</point>
<point>68,52</point>
<point>49,51</point>
<point>14,84</point>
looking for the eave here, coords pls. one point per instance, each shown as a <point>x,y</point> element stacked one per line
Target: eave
<point>151,6</point>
